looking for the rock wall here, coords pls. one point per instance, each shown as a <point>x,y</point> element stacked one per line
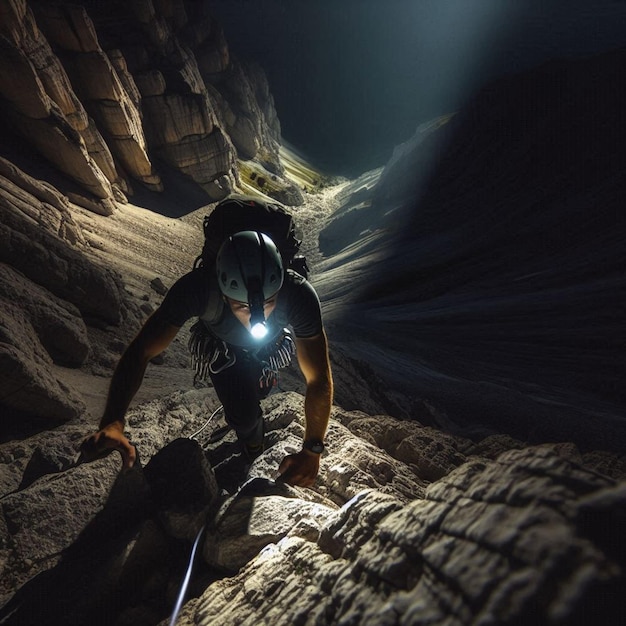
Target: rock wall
<point>491,246</point>
<point>40,104</point>
<point>113,95</point>
<point>48,288</point>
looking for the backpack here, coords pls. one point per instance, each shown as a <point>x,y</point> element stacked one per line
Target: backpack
<point>239,212</point>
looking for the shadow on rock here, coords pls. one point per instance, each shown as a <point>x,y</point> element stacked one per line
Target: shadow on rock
<point>128,563</point>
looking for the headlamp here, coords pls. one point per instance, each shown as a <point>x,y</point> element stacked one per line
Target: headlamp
<point>258,329</point>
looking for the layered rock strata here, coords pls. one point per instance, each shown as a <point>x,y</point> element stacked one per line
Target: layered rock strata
<point>112,96</point>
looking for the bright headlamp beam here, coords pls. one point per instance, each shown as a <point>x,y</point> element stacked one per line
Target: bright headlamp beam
<point>259,330</point>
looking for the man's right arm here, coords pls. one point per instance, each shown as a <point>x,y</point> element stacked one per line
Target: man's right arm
<point>152,339</point>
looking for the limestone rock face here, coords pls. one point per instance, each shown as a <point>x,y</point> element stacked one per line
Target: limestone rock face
<point>179,120</point>
<point>104,93</point>
<point>105,85</point>
<point>478,546</point>
<point>41,103</point>
<point>525,535</point>
<point>254,126</point>
<point>44,259</point>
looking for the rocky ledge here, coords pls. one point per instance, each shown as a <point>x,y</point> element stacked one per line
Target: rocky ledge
<point>406,525</point>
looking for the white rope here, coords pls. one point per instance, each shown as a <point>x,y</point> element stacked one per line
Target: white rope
<point>219,408</point>
<point>183,588</point>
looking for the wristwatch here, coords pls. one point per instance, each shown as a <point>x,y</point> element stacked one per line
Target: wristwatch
<point>314,445</point>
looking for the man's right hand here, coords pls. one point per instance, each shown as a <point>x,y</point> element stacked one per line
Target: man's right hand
<point>111,437</point>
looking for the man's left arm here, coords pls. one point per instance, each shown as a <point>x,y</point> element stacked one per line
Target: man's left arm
<point>301,468</point>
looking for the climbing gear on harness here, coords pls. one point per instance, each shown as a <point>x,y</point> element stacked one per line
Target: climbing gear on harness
<point>208,352</point>
<point>274,357</point>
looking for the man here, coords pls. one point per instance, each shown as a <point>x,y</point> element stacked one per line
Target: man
<point>243,306</point>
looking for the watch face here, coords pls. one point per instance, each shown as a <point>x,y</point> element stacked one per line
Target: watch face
<point>314,446</point>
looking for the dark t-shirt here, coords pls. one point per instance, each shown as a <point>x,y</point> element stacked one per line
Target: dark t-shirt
<point>197,294</point>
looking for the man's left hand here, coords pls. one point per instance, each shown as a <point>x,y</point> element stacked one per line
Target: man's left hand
<point>299,469</point>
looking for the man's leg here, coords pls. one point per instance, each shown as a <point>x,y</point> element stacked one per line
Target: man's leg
<point>237,387</point>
